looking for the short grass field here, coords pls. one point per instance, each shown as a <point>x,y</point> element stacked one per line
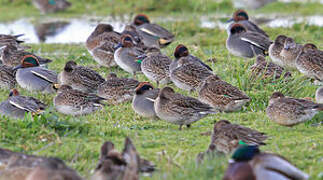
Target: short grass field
<point>77,140</point>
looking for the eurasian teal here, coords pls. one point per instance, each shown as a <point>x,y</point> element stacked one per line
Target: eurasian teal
<point>179,109</point>
<point>80,77</point>
<point>241,17</point>
<point>155,66</point>
<point>247,44</point>
<point>11,56</point>
<point>289,111</point>
<point>275,50</point>
<point>125,165</point>
<point>117,90</point>
<point>51,6</point>
<point>251,164</point>
<point>221,95</point>
<point>73,102</point>
<point>12,40</point>
<point>267,70</point>
<point>126,55</point>
<point>136,37</point>
<point>17,106</point>
<point>319,95</point>
<point>101,44</point>
<point>152,34</point>
<point>32,77</point>
<point>7,77</point>
<point>140,104</point>
<point>310,62</point>
<point>290,52</point>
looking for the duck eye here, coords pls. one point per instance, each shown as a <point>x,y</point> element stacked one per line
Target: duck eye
<point>128,39</point>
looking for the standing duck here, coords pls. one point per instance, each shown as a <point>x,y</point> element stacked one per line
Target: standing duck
<point>124,166</point>
<point>290,52</point>
<point>152,34</point>
<point>80,77</point>
<point>18,106</point>
<point>275,50</point>
<point>251,164</point>
<point>7,77</point>
<point>11,56</point>
<point>310,62</point>
<point>117,90</point>
<point>241,17</point>
<point>319,95</point>
<point>32,77</point>
<point>101,44</point>
<point>141,103</point>
<point>126,55</point>
<point>73,102</point>
<point>155,66</point>
<point>289,111</point>
<point>51,6</point>
<point>246,44</point>
<point>221,95</point>
<point>263,69</point>
<point>179,109</point>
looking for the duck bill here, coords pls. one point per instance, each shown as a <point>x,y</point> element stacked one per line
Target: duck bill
<point>230,20</point>
<point>117,46</point>
<point>17,67</point>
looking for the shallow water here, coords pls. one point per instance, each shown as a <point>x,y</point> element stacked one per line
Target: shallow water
<point>77,30</point>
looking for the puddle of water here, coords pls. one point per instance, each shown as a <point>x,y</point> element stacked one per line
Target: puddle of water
<point>58,31</point>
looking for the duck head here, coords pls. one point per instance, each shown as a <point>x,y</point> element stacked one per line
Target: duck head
<point>111,76</point>
<point>309,47</point>
<point>141,19</point>
<point>28,61</point>
<point>289,44</point>
<point>181,51</point>
<point>239,15</point>
<point>166,93</point>
<point>101,28</point>
<point>70,66</point>
<point>280,40</point>
<point>237,29</point>
<point>245,153</point>
<point>143,87</point>
<point>275,96</point>
<point>14,92</point>
<point>126,41</point>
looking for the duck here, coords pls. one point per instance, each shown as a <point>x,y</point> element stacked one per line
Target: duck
<point>126,55</point>
<point>178,109</point>
<point>101,44</point>
<point>246,44</point>
<point>17,106</point>
<point>115,165</point>
<point>117,90</point>
<point>275,50</point>
<point>131,30</point>
<point>155,66</point>
<point>6,39</point>
<point>319,95</point>
<point>290,52</point>
<point>74,102</point>
<point>182,52</point>
<point>7,77</point>
<point>32,77</point>
<point>267,70</point>
<point>152,34</point>
<point>11,56</point>
<point>221,95</point>
<point>140,104</point>
<point>310,62</point>
<point>226,137</point>
<point>20,166</point>
<point>241,16</point>
<point>51,6</point>
<point>288,111</point>
<point>80,77</point>
<point>252,164</point>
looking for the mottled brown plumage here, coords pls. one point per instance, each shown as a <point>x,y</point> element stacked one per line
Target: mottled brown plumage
<point>290,52</point>
<point>275,50</point>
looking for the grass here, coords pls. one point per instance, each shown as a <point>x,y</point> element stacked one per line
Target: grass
<point>77,140</point>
